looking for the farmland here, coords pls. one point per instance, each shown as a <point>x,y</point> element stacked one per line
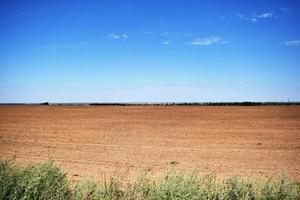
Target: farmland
<point>98,141</point>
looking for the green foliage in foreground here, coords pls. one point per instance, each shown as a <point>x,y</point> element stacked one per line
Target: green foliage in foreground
<point>40,181</point>
<point>46,181</point>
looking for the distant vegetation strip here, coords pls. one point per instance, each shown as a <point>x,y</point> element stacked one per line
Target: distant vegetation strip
<point>245,103</point>
<point>199,104</point>
<point>47,181</point>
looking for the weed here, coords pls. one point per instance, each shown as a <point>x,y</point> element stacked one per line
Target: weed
<point>46,181</point>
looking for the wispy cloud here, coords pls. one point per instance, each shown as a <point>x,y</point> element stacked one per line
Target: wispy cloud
<point>165,33</point>
<point>243,17</point>
<point>207,41</point>
<point>150,32</point>
<point>266,15</point>
<point>65,46</point>
<point>114,36</point>
<point>291,43</point>
<point>167,42</point>
<point>118,36</point>
<point>256,17</point>
<point>284,9</point>
<point>188,34</point>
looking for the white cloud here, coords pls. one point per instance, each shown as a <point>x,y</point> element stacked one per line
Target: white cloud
<point>255,17</point>
<point>125,36</point>
<point>169,34</point>
<point>266,15</point>
<point>207,41</point>
<point>188,34</point>
<point>167,42</point>
<point>164,33</point>
<point>118,36</point>
<point>114,36</point>
<point>243,17</point>
<point>291,43</point>
<point>150,32</point>
<point>284,9</point>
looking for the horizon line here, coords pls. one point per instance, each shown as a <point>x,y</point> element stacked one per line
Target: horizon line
<point>170,103</point>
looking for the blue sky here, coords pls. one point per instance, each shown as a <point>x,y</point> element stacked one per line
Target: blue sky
<point>149,50</point>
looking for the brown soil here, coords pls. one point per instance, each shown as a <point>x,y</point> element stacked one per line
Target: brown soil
<point>100,141</point>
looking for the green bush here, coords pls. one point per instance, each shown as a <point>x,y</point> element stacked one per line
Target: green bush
<point>47,182</point>
<point>40,181</point>
<point>90,190</point>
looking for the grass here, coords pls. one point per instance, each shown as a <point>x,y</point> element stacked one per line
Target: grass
<point>48,182</point>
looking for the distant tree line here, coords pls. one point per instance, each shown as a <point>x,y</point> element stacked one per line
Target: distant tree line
<point>245,103</point>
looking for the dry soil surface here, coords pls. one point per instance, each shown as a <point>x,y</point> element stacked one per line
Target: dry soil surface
<point>100,141</point>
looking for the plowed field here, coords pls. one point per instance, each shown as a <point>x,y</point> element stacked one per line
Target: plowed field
<point>100,141</point>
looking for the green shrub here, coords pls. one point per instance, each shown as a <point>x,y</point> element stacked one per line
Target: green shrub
<point>40,181</point>
<point>47,182</point>
<point>280,189</point>
<point>235,188</point>
<point>87,190</point>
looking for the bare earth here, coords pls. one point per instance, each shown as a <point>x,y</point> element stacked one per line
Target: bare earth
<point>101,141</point>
